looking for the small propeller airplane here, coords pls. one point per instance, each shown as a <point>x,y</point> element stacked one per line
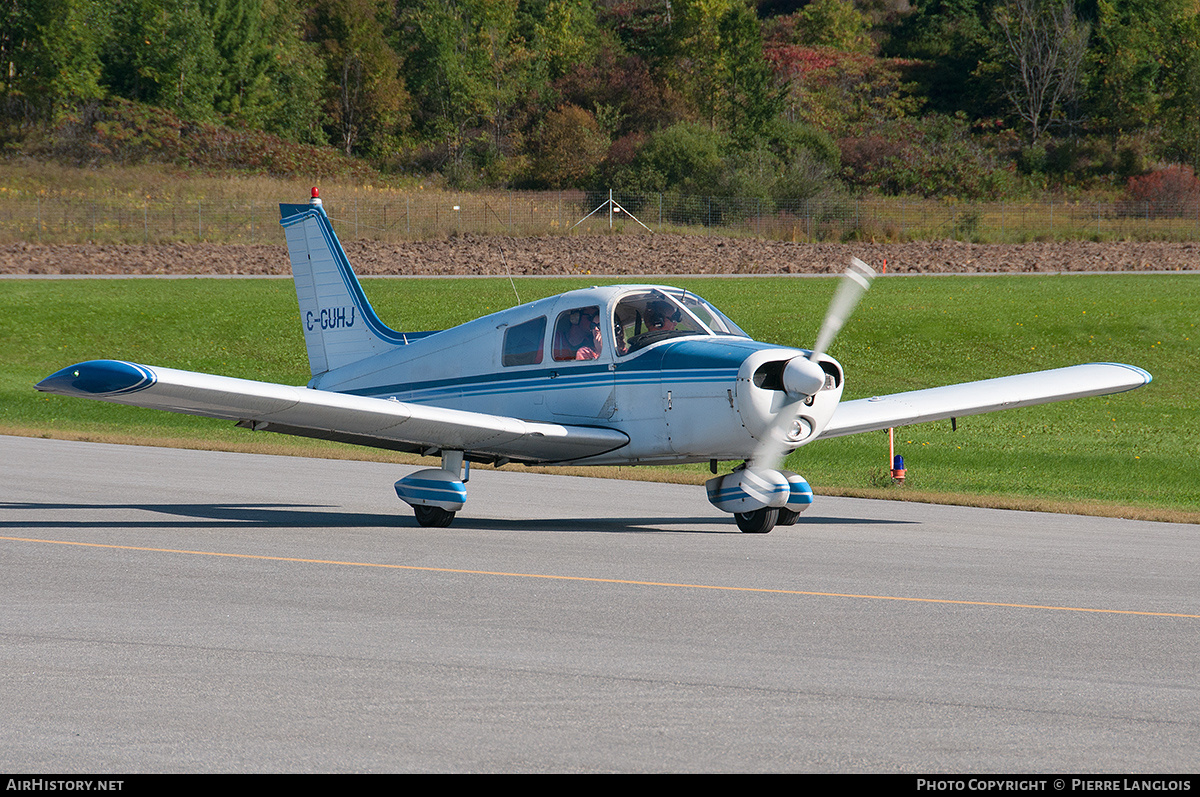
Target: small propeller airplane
<point>624,375</point>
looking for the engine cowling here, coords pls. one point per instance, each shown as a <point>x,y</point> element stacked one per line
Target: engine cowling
<point>771,379</point>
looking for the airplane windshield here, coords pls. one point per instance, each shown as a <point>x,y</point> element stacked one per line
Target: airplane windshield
<point>710,316</point>
<point>649,316</point>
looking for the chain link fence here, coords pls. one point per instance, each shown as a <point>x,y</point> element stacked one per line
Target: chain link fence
<point>425,215</point>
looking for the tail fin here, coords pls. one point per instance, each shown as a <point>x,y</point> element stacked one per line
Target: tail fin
<point>339,325</point>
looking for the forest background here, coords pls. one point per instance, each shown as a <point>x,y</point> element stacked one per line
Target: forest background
<point>777,99</point>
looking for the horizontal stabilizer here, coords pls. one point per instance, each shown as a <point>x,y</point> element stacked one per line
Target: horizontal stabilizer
<point>988,395</point>
<point>380,423</point>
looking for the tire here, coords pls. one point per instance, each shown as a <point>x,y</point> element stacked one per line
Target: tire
<point>760,521</point>
<point>433,516</point>
<point>787,517</point>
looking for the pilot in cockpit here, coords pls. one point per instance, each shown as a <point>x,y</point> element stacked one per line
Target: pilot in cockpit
<point>661,316</point>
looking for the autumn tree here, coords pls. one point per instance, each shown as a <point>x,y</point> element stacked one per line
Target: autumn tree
<point>570,145</point>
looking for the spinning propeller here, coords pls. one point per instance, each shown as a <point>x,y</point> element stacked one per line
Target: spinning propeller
<point>803,377</point>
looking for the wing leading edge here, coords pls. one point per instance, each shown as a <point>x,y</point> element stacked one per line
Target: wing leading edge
<point>379,423</point>
<point>988,395</point>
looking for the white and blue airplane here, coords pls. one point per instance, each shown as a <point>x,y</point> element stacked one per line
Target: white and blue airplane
<point>618,375</point>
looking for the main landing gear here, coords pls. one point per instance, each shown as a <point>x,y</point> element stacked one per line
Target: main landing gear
<point>433,516</point>
<point>435,494</point>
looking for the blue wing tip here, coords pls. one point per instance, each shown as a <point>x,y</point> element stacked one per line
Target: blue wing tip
<point>98,378</point>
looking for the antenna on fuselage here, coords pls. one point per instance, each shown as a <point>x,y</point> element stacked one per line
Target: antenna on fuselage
<point>508,271</point>
<point>504,259</point>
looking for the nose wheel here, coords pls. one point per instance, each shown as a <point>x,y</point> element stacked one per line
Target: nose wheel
<point>787,517</point>
<point>760,521</point>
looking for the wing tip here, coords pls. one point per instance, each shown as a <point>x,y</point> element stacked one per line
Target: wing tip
<point>1145,375</point>
<point>98,378</point>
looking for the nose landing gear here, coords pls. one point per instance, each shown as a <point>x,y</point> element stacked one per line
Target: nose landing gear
<point>760,499</point>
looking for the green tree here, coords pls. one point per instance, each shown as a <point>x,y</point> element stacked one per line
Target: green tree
<point>684,157</point>
<point>1125,66</point>
<point>700,59</point>
<point>296,76</point>
<point>366,100</point>
<point>162,53</point>
<point>749,99</point>
<point>468,67</point>
<point>560,34</point>
<point>833,23</point>
<point>1181,87</point>
<point>243,86</point>
<point>948,39</point>
<point>51,53</point>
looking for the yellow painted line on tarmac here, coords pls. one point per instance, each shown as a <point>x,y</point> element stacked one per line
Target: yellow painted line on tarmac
<point>597,580</point>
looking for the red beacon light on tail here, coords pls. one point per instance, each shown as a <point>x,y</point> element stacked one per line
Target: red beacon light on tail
<point>316,197</point>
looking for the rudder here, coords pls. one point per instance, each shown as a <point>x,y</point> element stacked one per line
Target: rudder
<point>340,327</point>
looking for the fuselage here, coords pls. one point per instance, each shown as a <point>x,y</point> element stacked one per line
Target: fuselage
<point>657,363</point>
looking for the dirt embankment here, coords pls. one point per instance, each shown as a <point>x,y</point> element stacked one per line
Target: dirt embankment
<point>607,255</point>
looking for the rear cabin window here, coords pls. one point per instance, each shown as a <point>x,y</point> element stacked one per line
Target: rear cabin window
<point>523,343</point>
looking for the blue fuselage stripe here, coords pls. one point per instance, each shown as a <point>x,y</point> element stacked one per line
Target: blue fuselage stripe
<point>542,382</point>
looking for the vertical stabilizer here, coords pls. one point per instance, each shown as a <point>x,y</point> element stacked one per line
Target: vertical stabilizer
<point>339,325</point>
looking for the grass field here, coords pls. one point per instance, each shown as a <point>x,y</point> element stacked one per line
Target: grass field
<point>1134,454</point>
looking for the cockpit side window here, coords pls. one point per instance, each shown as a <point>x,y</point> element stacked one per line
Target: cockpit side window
<point>523,343</point>
<point>577,334</point>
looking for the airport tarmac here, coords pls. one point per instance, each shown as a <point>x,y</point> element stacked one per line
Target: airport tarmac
<point>193,611</point>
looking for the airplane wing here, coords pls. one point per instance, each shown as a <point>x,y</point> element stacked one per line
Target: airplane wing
<point>988,395</point>
<point>381,423</point>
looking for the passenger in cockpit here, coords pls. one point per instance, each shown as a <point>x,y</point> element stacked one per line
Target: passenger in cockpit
<point>578,336</point>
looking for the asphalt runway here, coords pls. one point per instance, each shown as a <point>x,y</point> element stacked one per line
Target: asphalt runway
<point>166,611</point>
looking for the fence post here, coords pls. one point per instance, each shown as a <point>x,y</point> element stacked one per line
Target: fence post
<point>199,221</point>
